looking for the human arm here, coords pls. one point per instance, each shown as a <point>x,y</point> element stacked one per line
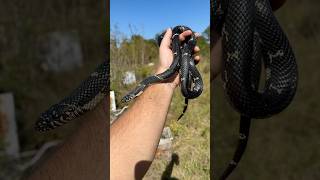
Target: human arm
<point>84,155</point>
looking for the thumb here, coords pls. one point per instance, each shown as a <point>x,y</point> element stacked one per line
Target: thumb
<point>166,41</point>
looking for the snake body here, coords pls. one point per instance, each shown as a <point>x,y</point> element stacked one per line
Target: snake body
<point>84,98</point>
<point>183,62</point>
<point>252,37</point>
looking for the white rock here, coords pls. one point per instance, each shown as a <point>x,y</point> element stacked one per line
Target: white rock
<point>129,78</point>
<point>113,106</point>
<point>8,124</point>
<point>61,51</point>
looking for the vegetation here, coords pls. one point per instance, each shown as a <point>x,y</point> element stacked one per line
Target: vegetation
<point>191,133</point>
<point>285,146</point>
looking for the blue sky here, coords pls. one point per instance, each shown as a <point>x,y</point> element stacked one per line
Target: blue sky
<point>148,17</point>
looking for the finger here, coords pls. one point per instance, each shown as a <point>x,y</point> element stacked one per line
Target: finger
<point>196,49</point>
<point>197,35</point>
<point>197,59</point>
<point>166,41</point>
<point>185,34</point>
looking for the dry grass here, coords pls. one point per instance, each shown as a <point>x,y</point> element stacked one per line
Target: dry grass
<point>191,134</point>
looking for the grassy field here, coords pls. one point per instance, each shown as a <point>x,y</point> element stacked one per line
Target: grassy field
<point>192,132</point>
<point>191,135</point>
<point>285,146</point>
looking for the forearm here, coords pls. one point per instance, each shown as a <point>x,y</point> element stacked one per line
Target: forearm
<point>84,155</point>
<point>136,134</point>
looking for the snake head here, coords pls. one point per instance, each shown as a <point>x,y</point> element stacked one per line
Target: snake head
<point>44,123</point>
<point>57,115</point>
<point>127,98</point>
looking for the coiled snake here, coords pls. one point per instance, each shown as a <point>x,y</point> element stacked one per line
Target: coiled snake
<point>183,62</point>
<point>85,98</point>
<point>252,37</point>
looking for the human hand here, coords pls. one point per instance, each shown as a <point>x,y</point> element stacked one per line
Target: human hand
<point>166,56</point>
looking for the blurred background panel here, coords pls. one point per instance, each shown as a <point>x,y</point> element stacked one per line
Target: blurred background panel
<point>285,146</point>
<point>184,148</point>
<point>46,49</point>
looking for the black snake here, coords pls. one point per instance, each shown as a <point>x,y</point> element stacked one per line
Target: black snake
<point>252,37</point>
<point>183,62</point>
<point>85,98</point>
<point>95,87</point>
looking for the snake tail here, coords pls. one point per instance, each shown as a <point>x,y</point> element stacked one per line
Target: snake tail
<point>242,144</point>
<point>185,107</point>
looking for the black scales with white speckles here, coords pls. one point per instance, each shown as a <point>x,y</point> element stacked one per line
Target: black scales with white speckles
<point>251,36</point>
<point>85,98</point>
<point>183,62</point>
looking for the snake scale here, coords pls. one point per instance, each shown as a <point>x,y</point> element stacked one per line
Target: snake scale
<point>84,98</point>
<point>183,62</point>
<point>252,38</point>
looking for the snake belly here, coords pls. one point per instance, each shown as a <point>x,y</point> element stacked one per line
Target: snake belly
<point>251,36</point>
<point>84,98</point>
<point>183,62</point>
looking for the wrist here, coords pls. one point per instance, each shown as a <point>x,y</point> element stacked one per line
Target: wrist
<point>171,82</point>
<point>170,86</point>
<point>162,90</point>
<point>160,69</point>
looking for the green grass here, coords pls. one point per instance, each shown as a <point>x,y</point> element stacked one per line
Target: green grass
<point>191,134</point>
